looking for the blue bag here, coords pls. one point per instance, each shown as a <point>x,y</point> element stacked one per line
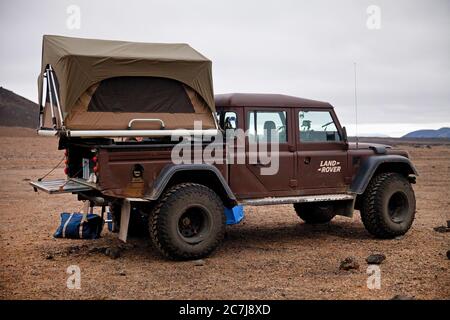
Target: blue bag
<point>79,226</point>
<point>234,215</point>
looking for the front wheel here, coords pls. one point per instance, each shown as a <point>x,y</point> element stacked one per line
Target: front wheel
<point>188,222</point>
<point>388,205</point>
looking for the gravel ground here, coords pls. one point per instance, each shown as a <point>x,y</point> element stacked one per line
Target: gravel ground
<point>271,255</point>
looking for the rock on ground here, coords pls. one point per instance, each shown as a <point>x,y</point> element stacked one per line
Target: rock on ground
<point>113,253</point>
<point>349,263</point>
<point>377,258</point>
<point>441,229</point>
<point>199,263</point>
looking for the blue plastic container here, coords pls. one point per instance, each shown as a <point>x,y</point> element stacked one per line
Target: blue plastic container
<point>234,215</point>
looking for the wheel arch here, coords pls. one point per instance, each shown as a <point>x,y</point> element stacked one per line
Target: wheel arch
<point>204,174</point>
<point>379,164</point>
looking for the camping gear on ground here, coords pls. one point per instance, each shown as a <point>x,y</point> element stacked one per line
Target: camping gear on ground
<point>80,225</point>
<point>100,88</point>
<point>234,215</point>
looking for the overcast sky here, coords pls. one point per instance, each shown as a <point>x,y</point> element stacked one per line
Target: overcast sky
<point>301,48</point>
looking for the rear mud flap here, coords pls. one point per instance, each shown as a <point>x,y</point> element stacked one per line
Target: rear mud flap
<point>124,220</point>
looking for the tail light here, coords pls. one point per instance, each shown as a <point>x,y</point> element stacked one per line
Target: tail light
<point>95,168</point>
<point>95,161</point>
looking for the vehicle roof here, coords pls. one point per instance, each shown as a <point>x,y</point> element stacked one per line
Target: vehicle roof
<point>266,100</point>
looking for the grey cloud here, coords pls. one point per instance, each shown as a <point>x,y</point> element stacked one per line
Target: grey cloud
<point>303,48</point>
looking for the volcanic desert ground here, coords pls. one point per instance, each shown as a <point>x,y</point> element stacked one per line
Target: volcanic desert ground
<point>271,255</point>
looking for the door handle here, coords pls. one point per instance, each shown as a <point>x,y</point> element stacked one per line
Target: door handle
<point>307,160</point>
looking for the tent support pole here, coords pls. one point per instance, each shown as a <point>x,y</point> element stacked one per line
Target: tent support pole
<point>215,119</point>
<point>41,101</point>
<point>49,90</point>
<point>56,97</point>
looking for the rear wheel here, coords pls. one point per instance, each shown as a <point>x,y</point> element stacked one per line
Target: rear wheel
<point>188,222</point>
<point>388,205</point>
<point>315,213</point>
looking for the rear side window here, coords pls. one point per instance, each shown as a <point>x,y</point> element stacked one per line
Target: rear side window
<point>260,125</point>
<point>317,126</point>
<point>227,120</point>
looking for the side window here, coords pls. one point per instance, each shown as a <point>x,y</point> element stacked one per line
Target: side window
<point>260,125</point>
<point>227,119</point>
<point>230,120</point>
<point>317,126</point>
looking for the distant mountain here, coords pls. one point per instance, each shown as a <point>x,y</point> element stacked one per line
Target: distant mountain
<point>373,135</point>
<point>16,111</point>
<point>440,133</point>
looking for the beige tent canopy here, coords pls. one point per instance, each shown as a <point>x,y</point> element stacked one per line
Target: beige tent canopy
<point>106,85</point>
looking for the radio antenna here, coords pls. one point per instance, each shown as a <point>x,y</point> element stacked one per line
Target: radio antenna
<point>356,108</point>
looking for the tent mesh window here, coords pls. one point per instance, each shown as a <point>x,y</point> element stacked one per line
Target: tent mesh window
<point>140,95</point>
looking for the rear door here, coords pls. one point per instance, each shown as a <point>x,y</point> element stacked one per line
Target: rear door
<point>321,151</point>
<point>277,177</point>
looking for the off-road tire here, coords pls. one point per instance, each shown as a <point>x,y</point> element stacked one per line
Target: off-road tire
<point>388,205</point>
<point>169,215</point>
<point>315,213</point>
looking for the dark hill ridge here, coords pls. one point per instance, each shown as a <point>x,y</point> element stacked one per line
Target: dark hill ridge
<point>16,111</point>
<point>442,133</point>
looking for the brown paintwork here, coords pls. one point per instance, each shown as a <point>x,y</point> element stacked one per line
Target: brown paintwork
<point>299,161</point>
<point>265,100</point>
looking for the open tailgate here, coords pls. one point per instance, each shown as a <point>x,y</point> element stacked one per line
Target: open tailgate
<point>60,186</point>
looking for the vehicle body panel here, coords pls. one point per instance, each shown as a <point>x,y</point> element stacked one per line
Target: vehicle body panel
<point>142,170</point>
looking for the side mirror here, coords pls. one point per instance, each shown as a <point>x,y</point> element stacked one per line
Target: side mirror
<point>344,134</point>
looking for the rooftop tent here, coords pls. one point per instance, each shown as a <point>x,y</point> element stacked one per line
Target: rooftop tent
<point>103,85</point>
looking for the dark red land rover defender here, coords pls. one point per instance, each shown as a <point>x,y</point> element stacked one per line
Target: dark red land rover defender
<point>117,106</point>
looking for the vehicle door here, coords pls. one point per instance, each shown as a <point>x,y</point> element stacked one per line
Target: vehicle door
<point>321,151</point>
<point>257,177</point>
